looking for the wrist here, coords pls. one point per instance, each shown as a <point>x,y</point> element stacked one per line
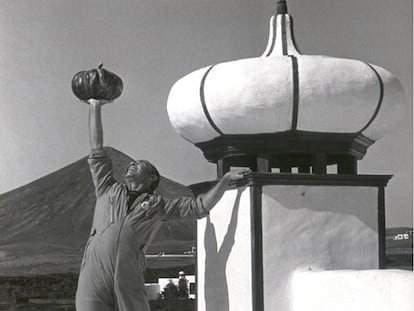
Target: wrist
<point>226,178</point>
<point>94,102</point>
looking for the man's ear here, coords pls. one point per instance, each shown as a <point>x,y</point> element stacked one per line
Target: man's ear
<point>153,177</point>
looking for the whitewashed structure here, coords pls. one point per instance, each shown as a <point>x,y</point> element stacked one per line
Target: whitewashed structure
<point>346,290</point>
<point>288,117</point>
<point>284,90</point>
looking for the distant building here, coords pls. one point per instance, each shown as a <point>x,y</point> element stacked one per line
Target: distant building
<point>399,238</point>
<point>399,248</point>
<point>162,282</point>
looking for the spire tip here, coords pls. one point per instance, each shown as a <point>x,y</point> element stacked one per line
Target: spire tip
<point>281,7</point>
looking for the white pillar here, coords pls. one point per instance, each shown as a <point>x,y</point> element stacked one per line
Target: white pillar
<point>256,237</point>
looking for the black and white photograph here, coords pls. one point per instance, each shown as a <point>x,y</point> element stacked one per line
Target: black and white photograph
<point>206,155</point>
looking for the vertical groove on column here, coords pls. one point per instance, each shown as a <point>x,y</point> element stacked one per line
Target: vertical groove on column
<point>284,42</point>
<point>223,166</point>
<point>295,108</point>
<point>196,268</point>
<point>257,247</point>
<point>381,227</point>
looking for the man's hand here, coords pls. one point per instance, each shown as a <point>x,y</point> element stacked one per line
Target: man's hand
<point>214,195</point>
<point>101,102</point>
<point>237,174</point>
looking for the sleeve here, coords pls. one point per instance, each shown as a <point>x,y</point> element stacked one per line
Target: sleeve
<point>185,207</point>
<point>100,166</point>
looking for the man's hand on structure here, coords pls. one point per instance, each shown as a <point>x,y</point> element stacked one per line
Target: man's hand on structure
<point>214,195</point>
<point>237,174</point>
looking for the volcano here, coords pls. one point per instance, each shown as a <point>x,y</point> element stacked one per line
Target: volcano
<point>44,225</point>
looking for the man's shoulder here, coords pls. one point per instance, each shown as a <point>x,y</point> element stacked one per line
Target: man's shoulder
<point>119,187</point>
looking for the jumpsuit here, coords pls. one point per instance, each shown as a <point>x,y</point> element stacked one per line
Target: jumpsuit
<point>112,271</point>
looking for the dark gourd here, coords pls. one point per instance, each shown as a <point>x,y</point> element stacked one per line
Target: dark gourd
<point>97,84</point>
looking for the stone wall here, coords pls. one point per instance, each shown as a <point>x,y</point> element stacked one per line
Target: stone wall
<point>57,291</point>
<point>47,292</point>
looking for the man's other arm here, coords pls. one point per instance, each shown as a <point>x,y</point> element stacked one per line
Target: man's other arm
<point>200,206</point>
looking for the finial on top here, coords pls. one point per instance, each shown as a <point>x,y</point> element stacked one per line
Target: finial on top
<point>281,7</point>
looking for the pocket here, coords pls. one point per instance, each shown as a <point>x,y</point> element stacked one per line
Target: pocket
<point>152,206</point>
<point>151,212</point>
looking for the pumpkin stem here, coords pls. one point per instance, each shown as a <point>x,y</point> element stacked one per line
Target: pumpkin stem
<point>100,65</point>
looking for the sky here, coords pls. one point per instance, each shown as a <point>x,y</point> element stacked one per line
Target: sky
<point>152,43</point>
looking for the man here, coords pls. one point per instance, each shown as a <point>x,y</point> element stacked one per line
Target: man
<point>182,285</point>
<point>126,219</point>
<point>170,291</point>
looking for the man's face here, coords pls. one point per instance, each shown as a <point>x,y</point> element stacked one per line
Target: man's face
<point>142,173</point>
<point>136,170</point>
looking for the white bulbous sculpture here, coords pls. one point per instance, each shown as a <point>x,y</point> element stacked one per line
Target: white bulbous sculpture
<point>283,90</point>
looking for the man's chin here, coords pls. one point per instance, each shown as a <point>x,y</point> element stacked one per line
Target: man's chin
<point>128,176</point>
<point>133,177</point>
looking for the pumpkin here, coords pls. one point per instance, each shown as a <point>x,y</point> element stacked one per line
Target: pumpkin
<point>97,84</point>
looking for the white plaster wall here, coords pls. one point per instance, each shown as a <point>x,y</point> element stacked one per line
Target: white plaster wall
<point>224,255</point>
<point>315,228</point>
<point>375,290</point>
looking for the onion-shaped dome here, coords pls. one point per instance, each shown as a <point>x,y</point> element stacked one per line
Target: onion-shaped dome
<point>287,102</point>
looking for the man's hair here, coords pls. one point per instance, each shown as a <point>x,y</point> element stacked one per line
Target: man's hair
<point>152,170</point>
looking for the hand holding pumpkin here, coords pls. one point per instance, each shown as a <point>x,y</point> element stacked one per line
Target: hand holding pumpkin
<point>97,101</point>
<point>97,84</point>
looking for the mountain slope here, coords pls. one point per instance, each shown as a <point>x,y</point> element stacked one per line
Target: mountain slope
<point>51,217</point>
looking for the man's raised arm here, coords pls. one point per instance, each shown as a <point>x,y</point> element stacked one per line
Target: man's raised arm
<point>99,163</point>
<point>95,125</point>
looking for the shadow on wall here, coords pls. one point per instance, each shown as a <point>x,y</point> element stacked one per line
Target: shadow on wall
<point>359,202</point>
<point>216,288</point>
